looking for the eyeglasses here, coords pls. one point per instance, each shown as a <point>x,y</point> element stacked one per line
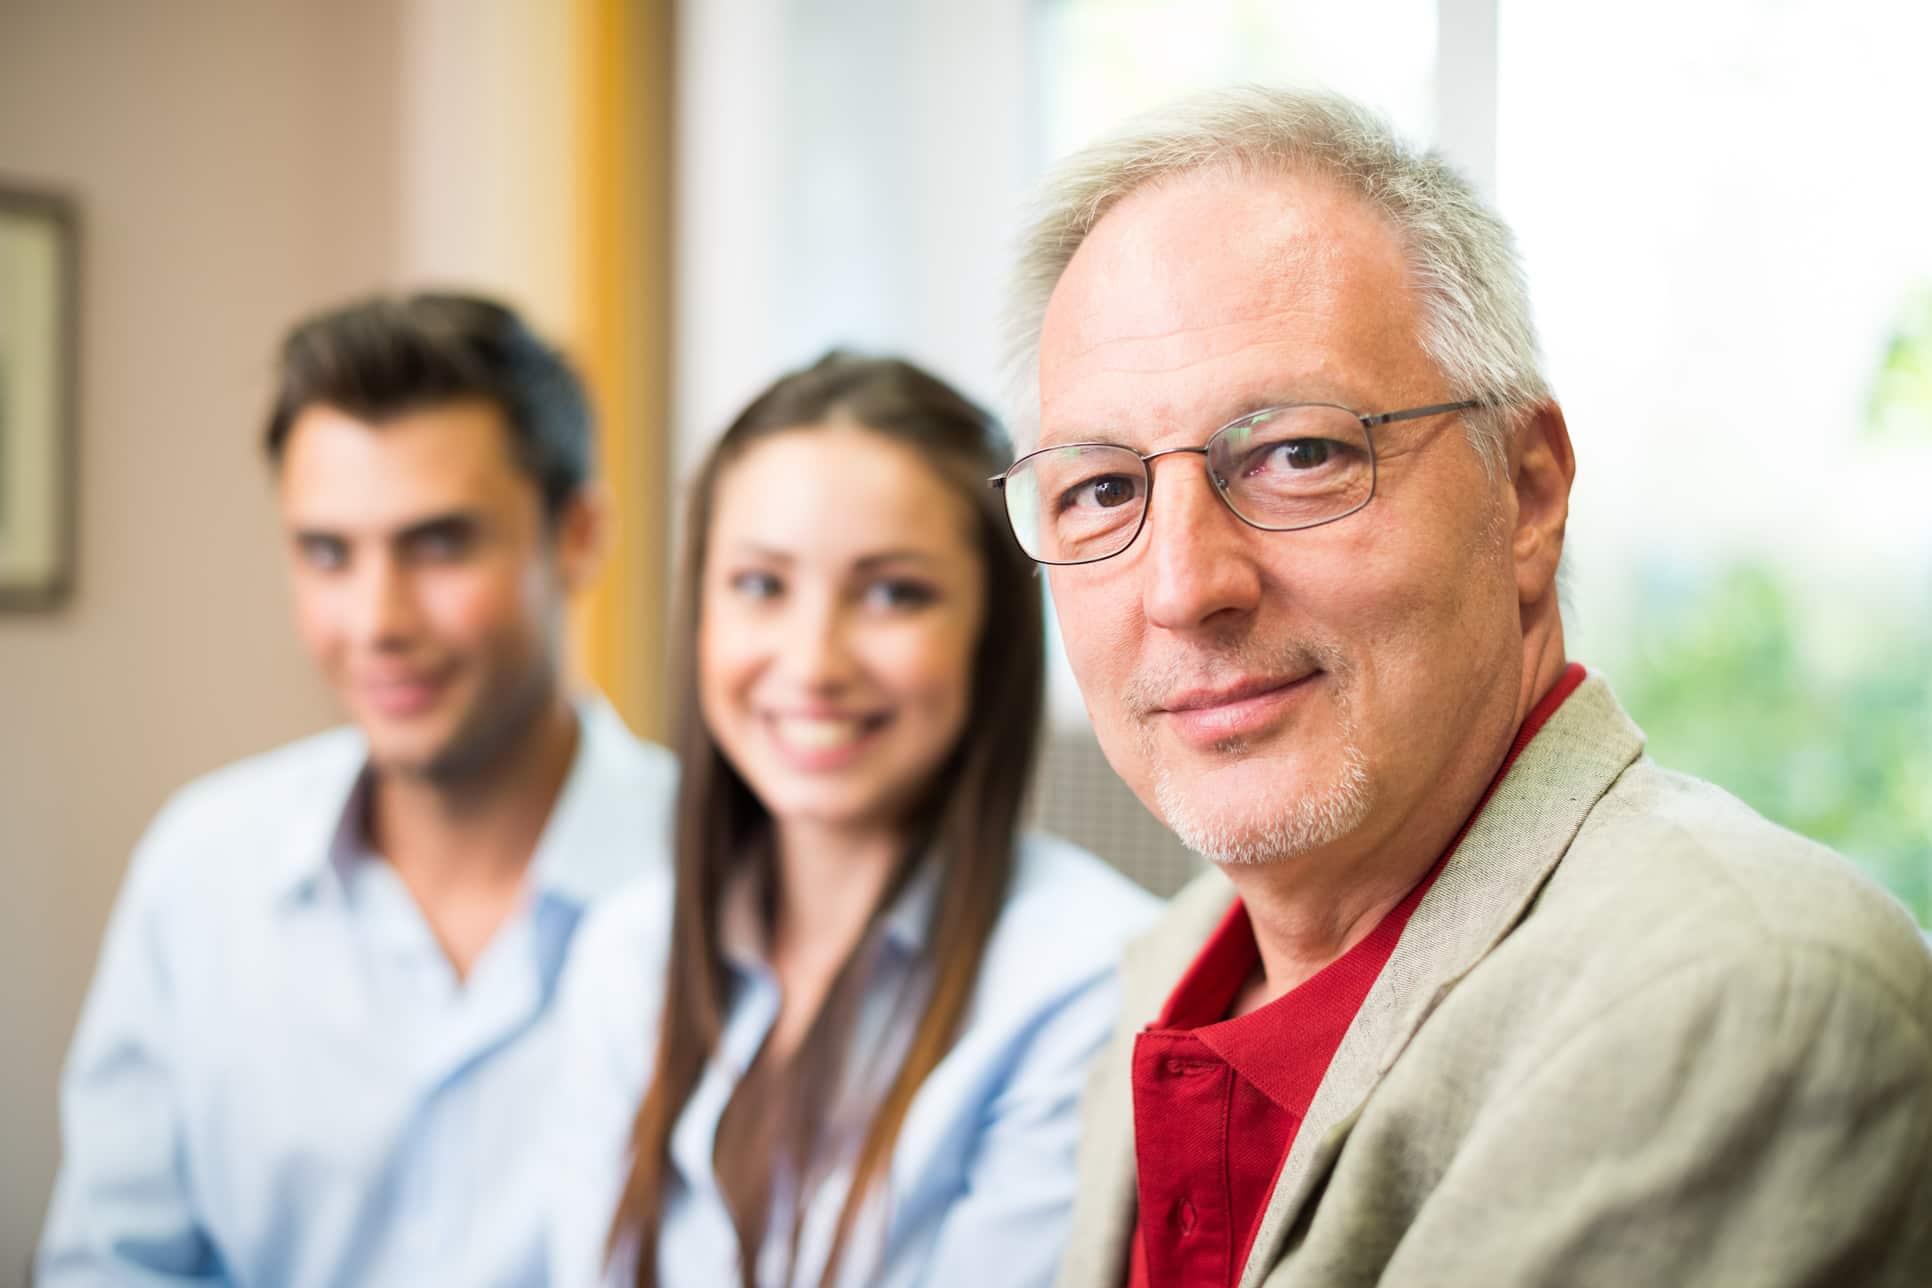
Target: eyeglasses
<point>1278,469</point>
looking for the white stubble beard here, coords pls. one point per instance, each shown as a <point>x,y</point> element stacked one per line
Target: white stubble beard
<point>1262,829</point>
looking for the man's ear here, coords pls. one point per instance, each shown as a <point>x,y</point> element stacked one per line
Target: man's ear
<point>1542,466</point>
<point>582,534</point>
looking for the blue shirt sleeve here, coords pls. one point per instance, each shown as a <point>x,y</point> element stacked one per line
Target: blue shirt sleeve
<point>123,1211</point>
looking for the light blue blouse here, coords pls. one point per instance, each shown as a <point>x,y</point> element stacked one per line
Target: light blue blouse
<point>981,1182</point>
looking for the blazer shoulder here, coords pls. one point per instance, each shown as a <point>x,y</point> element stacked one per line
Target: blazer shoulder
<point>1668,867</point>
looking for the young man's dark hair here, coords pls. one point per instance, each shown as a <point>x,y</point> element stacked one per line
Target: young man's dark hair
<point>387,355</point>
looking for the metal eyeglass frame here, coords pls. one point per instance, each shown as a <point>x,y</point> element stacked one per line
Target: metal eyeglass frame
<point>998,481</point>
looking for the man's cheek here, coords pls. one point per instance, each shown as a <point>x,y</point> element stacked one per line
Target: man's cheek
<point>316,626</point>
<point>464,609</point>
<point>1105,651</point>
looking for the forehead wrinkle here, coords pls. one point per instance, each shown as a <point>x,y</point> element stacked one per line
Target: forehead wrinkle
<point>1114,397</point>
<point>1307,278</point>
<point>1196,299</point>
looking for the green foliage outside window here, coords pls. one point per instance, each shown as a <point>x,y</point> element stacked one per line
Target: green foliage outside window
<point>1813,704</point>
<point>1901,403</point>
<point>1820,720</point>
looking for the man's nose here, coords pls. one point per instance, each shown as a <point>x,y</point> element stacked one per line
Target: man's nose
<point>1198,568</point>
<point>386,613</point>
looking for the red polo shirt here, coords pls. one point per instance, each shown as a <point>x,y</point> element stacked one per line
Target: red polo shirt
<point>1217,1101</point>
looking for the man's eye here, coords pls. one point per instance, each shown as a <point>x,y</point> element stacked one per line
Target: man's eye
<point>756,585</point>
<point>439,547</point>
<point>1104,492</point>
<point>1293,454</point>
<point>325,554</point>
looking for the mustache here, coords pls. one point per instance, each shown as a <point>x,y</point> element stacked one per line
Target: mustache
<point>1216,666</point>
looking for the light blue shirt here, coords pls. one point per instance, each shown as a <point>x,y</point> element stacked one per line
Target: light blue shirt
<point>980,1186</point>
<point>278,1079</point>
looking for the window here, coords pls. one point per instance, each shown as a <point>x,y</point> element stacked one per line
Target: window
<point>1103,60</point>
<point>1724,218</point>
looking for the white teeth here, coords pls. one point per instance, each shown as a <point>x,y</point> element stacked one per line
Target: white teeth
<point>819,735</point>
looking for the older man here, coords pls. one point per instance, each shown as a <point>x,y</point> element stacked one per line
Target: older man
<point>1479,995</point>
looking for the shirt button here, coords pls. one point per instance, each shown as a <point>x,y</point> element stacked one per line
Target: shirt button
<point>1184,1218</point>
<point>1175,1067</point>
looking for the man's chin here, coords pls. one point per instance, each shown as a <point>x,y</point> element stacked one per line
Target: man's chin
<point>393,763</point>
<point>411,749</point>
<point>1258,809</point>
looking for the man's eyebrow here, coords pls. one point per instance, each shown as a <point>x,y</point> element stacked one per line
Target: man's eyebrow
<point>455,523</point>
<point>1309,391</point>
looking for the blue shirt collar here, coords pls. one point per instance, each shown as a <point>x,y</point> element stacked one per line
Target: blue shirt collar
<point>907,923</point>
<point>577,859</point>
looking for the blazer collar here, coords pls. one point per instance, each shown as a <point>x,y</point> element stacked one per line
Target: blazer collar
<point>1484,890</point>
<point>1104,1204</point>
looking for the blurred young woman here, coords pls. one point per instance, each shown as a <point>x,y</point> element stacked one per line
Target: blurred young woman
<point>848,1045</point>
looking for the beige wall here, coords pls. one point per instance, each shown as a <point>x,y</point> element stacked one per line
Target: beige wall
<point>232,164</point>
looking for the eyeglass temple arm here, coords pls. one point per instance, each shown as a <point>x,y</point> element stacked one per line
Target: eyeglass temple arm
<point>1417,413</point>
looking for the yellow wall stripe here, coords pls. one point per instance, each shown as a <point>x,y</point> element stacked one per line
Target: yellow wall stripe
<point>622,56</point>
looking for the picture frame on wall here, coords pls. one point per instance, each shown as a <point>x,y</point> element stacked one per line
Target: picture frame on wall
<point>38,334</point>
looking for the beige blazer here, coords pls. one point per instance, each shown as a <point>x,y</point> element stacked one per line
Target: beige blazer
<point>1634,1034</point>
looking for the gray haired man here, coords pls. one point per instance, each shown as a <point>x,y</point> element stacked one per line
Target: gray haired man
<point>1479,994</point>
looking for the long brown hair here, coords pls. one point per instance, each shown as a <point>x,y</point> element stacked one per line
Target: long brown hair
<point>967,821</point>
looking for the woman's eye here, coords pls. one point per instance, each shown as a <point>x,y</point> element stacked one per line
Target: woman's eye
<point>756,585</point>
<point>894,593</point>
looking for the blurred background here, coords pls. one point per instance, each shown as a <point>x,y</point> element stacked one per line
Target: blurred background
<point>1723,208</point>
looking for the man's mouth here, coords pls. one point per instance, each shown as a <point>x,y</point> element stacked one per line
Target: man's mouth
<point>402,695</point>
<point>1216,713</point>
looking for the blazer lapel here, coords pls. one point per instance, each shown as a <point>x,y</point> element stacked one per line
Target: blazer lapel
<point>1104,1206</point>
<point>1483,891</point>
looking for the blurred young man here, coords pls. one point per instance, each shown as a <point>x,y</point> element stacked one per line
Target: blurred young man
<point>319,1036</point>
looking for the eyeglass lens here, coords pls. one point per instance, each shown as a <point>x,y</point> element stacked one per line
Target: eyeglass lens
<point>1283,468</point>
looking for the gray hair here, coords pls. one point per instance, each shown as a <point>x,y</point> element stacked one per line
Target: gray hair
<point>1476,311</point>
